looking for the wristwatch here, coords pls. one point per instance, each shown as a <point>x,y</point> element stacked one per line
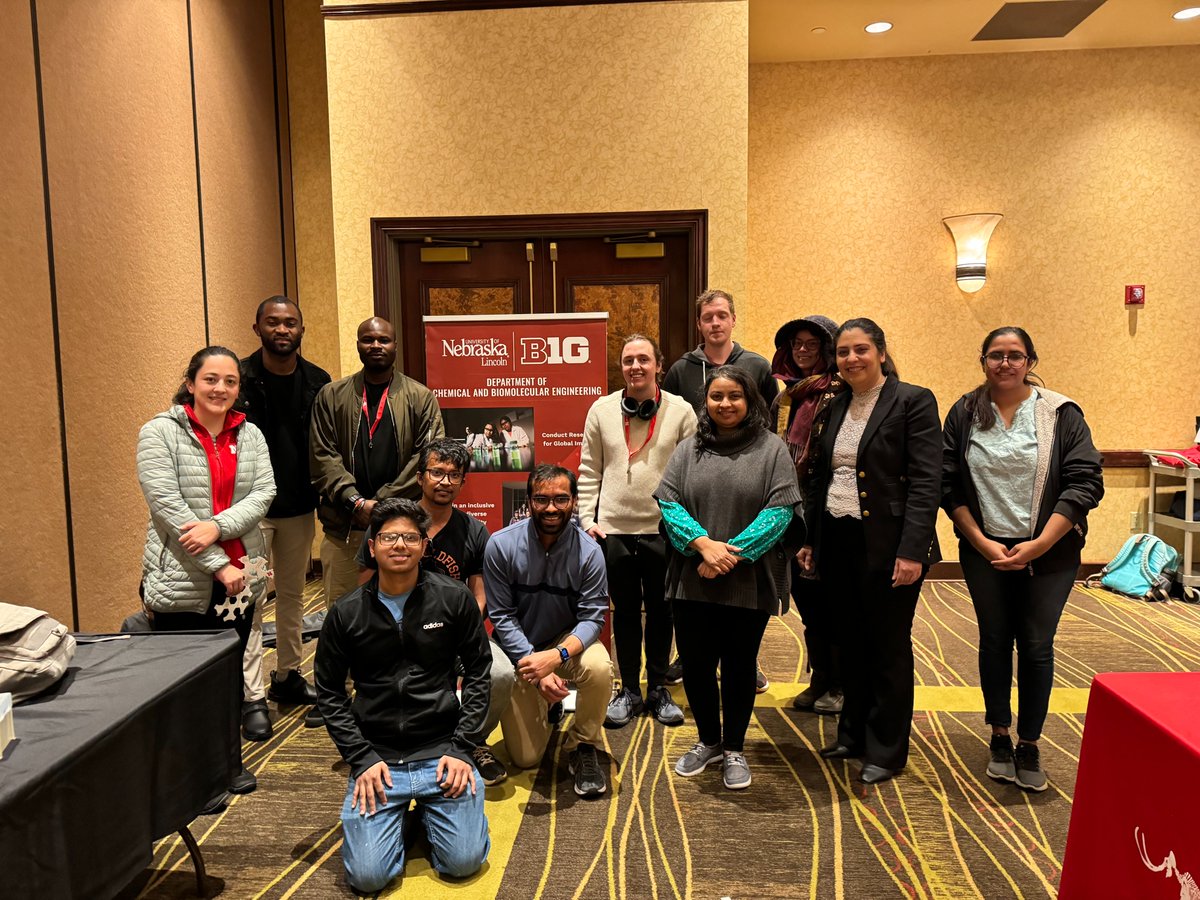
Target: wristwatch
<point>563,652</point>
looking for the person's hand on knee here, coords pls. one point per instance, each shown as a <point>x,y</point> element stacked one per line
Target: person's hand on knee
<point>453,776</point>
<point>369,786</point>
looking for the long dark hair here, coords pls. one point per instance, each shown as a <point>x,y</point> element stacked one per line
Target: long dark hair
<point>875,333</point>
<point>183,396</point>
<point>756,407</point>
<point>979,401</point>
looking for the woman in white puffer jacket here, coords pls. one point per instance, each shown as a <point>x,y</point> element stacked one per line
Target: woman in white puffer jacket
<point>206,475</point>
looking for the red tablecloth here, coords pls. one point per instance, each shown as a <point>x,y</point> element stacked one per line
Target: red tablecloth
<point>1135,822</point>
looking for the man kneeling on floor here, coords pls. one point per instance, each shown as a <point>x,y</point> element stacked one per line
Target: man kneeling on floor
<point>546,595</point>
<point>405,734</point>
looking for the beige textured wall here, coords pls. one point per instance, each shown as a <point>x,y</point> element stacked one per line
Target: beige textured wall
<point>520,111</point>
<point>121,162</point>
<point>33,547</point>
<point>1090,157</point>
<point>239,171</point>
<point>312,190</point>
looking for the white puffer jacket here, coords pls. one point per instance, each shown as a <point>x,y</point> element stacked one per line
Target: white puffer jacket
<point>173,471</point>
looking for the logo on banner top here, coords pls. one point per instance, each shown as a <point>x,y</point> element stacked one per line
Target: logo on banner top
<point>485,348</point>
<point>555,351</point>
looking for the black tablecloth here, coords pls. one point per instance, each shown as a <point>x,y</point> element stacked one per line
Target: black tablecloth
<point>129,746</point>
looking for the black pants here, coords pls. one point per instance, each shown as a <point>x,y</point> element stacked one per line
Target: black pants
<point>709,634</point>
<point>637,569</point>
<point>820,629</point>
<point>1015,607</point>
<point>210,620</point>
<point>875,628</point>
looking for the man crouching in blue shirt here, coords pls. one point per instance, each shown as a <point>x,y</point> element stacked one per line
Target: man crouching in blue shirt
<point>404,735</point>
<point>547,593</point>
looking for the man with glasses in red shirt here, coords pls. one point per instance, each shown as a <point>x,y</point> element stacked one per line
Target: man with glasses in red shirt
<point>547,592</point>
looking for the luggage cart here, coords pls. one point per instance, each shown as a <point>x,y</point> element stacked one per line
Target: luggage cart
<point>1189,474</point>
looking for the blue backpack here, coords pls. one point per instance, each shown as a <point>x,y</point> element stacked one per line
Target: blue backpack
<point>1143,569</point>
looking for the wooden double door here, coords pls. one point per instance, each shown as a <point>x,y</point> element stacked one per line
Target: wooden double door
<point>643,269</point>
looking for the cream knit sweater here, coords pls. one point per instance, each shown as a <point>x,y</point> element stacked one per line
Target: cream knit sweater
<point>624,487</point>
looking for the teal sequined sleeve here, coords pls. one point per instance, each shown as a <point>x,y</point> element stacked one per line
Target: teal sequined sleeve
<point>760,535</point>
<point>682,529</point>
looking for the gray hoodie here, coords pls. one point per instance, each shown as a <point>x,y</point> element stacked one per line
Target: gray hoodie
<point>686,377</point>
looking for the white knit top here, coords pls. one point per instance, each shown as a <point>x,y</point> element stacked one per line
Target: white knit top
<point>842,499</point>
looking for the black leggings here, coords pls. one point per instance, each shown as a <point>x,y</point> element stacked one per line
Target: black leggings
<point>210,620</point>
<point>709,634</point>
<point>637,569</point>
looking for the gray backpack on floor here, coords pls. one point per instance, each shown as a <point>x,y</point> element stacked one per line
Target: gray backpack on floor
<point>35,651</point>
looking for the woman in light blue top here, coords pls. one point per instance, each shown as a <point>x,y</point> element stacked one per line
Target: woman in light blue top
<point>1019,475</point>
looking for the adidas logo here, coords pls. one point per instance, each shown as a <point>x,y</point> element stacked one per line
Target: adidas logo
<point>433,625</point>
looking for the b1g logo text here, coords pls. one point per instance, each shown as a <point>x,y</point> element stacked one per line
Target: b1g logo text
<point>554,351</point>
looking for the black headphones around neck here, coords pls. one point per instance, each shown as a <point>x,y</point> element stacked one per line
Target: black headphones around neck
<point>644,409</point>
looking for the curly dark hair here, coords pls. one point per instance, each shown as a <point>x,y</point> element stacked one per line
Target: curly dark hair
<point>756,408</point>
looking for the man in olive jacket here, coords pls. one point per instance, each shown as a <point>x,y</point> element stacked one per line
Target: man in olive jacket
<point>367,433</point>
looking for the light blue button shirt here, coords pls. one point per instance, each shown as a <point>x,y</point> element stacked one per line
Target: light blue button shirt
<point>1002,462</point>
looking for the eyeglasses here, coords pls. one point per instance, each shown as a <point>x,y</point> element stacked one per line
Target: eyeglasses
<point>560,501</point>
<point>439,475</point>
<point>810,346</point>
<point>996,359</point>
<point>389,538</point>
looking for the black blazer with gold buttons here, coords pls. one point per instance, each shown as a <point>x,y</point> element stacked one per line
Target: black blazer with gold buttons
<point>899,475</point>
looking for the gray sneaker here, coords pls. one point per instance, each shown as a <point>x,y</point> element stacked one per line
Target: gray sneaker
<point>1029,768</point>
<point>736,771</point>
<point>663,707</point>
<point>1001,766</point>
<point>760,681</point>
<point>623,709</point>
<point>697,759</point>
<point>829,703</point>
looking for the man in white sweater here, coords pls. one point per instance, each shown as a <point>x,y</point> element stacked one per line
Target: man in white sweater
<point>627,440</point>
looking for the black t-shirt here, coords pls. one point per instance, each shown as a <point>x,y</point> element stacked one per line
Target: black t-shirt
<point>376,459</point>
<point>287,439</point>
<point>456,550</point>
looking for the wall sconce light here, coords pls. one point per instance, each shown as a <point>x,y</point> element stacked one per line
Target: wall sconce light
<point>971,235</point>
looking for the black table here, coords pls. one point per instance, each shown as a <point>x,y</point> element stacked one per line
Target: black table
<point>127,749</point>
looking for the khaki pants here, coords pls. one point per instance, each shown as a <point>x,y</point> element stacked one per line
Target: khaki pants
<point>339,565</point>
<point>525,725</point>
<point>289,547</point>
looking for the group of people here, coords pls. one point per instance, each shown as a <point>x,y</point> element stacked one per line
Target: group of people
<point>706,501</point>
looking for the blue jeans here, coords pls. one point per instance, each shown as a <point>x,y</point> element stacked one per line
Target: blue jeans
<point>1021,609</point>
<point>373,845</point>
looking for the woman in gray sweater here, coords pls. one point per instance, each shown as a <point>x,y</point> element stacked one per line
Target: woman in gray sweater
<point>728,500</point>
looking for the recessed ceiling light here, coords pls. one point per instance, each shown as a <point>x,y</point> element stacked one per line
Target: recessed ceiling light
<point>878,27</point>
<point>1190,13</point>
<point>820,29</point>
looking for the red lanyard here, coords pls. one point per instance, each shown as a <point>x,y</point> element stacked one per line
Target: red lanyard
<point>371,426</point>
<point>649,434</point>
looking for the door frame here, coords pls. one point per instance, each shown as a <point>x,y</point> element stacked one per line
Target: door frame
<point>387,234</point>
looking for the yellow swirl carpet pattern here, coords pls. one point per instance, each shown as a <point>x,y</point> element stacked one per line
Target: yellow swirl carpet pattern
<point>805,828</point>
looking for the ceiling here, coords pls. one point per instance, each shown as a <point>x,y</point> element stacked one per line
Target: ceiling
<point>781,30</point>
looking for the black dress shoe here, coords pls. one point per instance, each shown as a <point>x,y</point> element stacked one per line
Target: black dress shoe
<point>873,774</point>
<point>839,751</point>
<point>256,721</point>
<point>292,689</point>
<point>243,782</point>
<point>314,719</point>
<point>216,804</point>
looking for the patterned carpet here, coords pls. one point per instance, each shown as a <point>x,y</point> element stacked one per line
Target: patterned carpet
<point>805,828</point>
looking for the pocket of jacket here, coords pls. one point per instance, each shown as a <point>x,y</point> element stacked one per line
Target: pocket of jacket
<point>897,507</point>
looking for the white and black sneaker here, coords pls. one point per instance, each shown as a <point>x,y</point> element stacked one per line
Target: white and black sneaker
<point>663,707</point>
<point>623,709</point>
<point>491,770</point>
<point>675,672</point>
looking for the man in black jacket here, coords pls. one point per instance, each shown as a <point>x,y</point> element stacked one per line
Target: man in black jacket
<point>405,735</point>
<point>277,393</point>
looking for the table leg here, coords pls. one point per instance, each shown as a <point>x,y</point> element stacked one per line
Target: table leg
<point>197,860</point>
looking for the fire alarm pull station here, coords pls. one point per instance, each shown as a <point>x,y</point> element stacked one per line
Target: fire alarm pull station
<point>1135,295</point>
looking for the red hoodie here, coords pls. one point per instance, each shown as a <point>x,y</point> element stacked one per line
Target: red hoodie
<point>222,467</point>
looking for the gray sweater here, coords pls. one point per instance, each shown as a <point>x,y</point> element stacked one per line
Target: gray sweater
<point>724,488</point>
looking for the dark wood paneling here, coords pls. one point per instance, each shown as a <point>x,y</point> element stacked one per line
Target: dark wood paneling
<point>1124,459</point>
<point>364,10</point>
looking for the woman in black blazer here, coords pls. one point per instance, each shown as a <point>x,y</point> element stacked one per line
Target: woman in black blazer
<point>870,505</point>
